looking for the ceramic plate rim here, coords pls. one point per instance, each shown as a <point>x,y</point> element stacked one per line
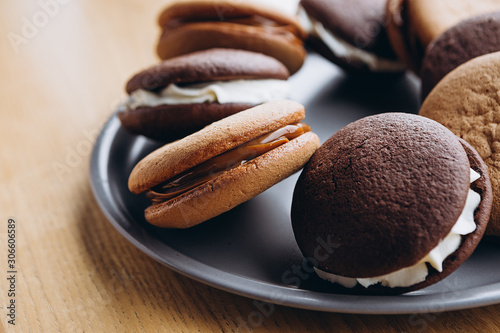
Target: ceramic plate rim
<point>248,287</point>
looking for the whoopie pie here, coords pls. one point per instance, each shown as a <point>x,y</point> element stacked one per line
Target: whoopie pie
<point>404,200</point>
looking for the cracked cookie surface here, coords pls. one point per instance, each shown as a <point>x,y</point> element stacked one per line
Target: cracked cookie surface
<point>393,183</point>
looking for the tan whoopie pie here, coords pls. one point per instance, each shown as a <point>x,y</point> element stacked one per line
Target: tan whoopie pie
<point>223,165</point>
<point>193,25</point>
<point>467,101</point>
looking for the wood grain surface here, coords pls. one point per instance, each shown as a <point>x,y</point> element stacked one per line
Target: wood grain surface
<point>63,66</point>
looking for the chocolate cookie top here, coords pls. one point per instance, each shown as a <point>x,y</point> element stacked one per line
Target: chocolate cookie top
<point>469,242</point>
<point>467,101</point>
<point>469,39</point>
<point>360,23</point>
<point>393,183</point>
<point>206,66</point>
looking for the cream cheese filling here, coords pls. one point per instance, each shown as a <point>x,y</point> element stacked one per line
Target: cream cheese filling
<point>417,273</point>
<point>234,91</point>
<point>344,50</point>
<point>288,7</point>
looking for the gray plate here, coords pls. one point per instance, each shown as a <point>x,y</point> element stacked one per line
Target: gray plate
<point>251,250</point>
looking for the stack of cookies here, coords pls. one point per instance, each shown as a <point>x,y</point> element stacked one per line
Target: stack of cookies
<point>219,57</point>
<point>220,94</point>
<point>406,198</point>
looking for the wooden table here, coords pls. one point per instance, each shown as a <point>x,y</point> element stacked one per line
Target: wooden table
<point>63,66</point>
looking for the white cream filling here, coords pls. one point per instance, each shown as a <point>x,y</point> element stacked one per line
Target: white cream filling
<point>288,7</point>
<point>417,273</point>
<point>304,19</point>
<point>344,50</point>
<point>235,91</point>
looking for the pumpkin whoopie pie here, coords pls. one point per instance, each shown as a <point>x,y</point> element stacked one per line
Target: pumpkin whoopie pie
<point>223,165</point>
<point>467,101</point>
<point>193,25</point>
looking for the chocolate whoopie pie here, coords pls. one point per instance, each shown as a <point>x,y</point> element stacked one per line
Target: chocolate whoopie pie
<point>414,24</point>
<point>468,39</point>
<point>403,199</point>
<point>193,25</point>
<point>184,94</point>
<point>351,34</point>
